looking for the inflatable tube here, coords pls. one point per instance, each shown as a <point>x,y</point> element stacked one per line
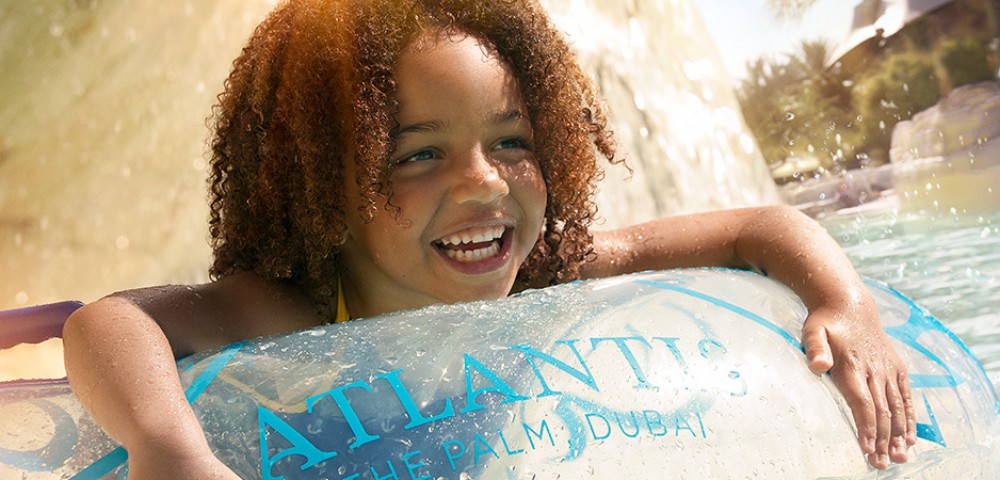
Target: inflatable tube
<point>34,324</point>
<point>686,374</point>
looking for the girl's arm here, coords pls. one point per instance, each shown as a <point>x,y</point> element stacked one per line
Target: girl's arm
<point>122,368</point>
<point>842,333</point>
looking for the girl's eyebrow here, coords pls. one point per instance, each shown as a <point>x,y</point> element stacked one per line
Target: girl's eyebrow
<point>416,128</point>
<point>509,116</point>
<point>495,118</point>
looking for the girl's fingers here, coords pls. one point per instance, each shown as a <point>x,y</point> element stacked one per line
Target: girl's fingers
<point>857,393</point>
<point>883,422</point>
<point>903,381</point>
<point>874,382</point>
<point>817,347</point>
<point>897,435</point>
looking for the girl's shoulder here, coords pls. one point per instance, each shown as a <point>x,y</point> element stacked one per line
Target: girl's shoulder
<point>237,307</point>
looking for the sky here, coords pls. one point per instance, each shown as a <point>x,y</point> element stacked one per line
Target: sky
<point>745,30</point>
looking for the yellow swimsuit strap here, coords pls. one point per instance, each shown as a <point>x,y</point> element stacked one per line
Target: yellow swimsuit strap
<point>342,314</point>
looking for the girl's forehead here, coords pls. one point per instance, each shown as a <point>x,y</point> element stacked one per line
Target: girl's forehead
<point>450,66</point>
<point>430,38</point>
<point>456,48</point>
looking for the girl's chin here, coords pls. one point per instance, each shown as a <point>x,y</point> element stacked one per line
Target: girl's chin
<point>471,290</point>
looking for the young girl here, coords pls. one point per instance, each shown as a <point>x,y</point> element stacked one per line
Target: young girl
<point>380,155</point>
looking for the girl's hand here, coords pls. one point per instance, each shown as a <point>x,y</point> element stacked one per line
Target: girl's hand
<point>842,333</point>
<point>849,343</point>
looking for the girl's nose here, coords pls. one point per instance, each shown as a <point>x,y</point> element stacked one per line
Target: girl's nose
<point>478,180</point>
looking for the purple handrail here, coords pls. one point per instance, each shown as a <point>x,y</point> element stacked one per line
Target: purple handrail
<point>34,324</point>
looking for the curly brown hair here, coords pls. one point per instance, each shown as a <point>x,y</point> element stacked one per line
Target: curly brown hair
<point>314,86</point>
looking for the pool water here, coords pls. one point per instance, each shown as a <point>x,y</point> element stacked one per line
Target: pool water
<point>949,263</point>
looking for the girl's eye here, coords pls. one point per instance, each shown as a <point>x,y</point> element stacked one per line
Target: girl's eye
<point>418,156</point>
<point>514,142</point>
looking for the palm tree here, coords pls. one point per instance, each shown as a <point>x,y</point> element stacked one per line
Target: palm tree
<point>789,9</point>
<point>797,106</point>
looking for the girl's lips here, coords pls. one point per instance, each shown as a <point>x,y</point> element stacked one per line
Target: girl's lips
<point>476,251</point>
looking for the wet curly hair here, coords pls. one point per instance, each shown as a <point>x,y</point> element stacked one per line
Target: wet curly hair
<point>314,86</point>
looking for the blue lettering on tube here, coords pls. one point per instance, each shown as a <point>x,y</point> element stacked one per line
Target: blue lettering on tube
<point>499,385</point>
<point>671,343</point>
<point>482,447</point>
<point>361,436</point>
<point>505,446</point>
<point>657,420</point>
<point>392,472</point>
<point>930,431</point>
<point>544,429</point>
<point>740,388</point>
<point>416,418</point>
<point>622,427</point>
<point>584,376</point>
<point>300,446</point>
<point>629,356</point>
<point>411,468</point>
<point>452,456</point>
<point>701,424</point>
<point>593,433</point>
<point>711,349</point>
<point>679,418</point>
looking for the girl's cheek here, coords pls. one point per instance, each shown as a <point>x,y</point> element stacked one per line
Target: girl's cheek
<point>526,173</point>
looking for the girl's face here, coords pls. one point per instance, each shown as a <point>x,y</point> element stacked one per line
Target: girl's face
<point>470,194</point>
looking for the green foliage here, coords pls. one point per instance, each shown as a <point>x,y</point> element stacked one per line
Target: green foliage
<point>906,85</point>
<point>789,9</point>
<point>964,60</point>
<point>796,106</point>
<point>920,34</point>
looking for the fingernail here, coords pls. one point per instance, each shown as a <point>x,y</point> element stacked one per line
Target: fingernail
<point>895,447</point>
<point>883,459</point>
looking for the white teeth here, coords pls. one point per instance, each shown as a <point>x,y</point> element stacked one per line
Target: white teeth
<point>486,234</point>
<point>468,256</point>
<point>489,235</point>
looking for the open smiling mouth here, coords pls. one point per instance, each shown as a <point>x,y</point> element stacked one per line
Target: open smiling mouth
<point>474,245</point>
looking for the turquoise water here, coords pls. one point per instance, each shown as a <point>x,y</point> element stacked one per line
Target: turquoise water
<point>949,263</point>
